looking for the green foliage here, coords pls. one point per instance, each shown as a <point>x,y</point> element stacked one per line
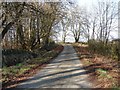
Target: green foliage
<point>13,71</point>
<point>115,88</point>
<point>114,51</point>
<point>14,57</point>
<point>49,46</point>
<point>21,68</point>
<point>103,73</point>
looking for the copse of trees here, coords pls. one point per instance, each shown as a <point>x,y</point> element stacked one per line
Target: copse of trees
<point>96,25</point>
<point>73,24</point>
<point>103,24</point>
<point>28,25</point>
<point>28,28</point>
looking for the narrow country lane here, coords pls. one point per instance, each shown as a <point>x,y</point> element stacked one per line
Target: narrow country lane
<point>65,71</point>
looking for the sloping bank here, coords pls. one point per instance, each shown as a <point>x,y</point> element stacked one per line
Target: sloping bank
<point>13,75</point>
<point>103,71</point>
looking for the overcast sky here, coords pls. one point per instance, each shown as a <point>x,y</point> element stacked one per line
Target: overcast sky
<point>90,2</point>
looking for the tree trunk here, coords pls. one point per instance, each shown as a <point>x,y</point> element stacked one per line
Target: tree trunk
<point>76,40</point>
<point>21,35</point>
<point>5,30</point>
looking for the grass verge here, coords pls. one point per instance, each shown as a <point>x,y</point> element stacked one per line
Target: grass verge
<point>13,75</point>
<point>104,71</point>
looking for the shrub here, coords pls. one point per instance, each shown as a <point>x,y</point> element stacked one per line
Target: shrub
<point>13,56</point>
<point>49,46</point>
<point>109,49</point>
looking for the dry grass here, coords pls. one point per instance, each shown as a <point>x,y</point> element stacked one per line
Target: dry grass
<point>104,70</point>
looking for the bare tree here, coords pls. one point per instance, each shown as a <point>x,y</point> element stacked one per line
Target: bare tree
<point>101,21</point>
<point>77,23</point>
<point>107,12</point>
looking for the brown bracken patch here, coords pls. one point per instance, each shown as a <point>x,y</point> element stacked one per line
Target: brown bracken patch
<point>104,71</point>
